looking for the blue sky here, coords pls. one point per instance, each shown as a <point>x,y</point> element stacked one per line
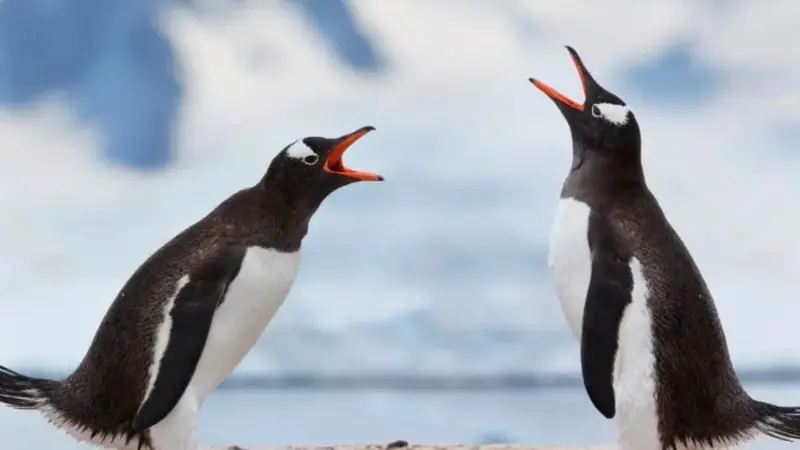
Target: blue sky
<point>116,67</point>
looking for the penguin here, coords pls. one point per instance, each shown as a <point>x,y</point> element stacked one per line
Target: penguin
<point>190,313</point>
<point>653,353</point>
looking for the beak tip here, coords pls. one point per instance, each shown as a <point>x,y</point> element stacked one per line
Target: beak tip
<point>576,59</point>
<point>379,178</point>
<point>368,128</point>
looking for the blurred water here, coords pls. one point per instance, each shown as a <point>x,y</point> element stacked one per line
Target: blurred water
<point>442,268</point>
<point>251,418</point>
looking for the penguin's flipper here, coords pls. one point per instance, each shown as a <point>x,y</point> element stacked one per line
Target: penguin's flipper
<point>193,309</point>
<point>609,293</point>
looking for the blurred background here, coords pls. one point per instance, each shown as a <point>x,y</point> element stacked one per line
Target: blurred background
<point>423,309</point>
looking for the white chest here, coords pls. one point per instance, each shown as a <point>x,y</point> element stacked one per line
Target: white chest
<point>264,280</point>
<point>634,382</point>
<point>570,260</point>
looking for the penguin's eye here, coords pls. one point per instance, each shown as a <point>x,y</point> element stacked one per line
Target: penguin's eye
<point>301,151</point>
<point>614,114</point>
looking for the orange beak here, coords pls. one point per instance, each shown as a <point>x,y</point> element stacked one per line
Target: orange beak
<point>334,163</point>
<point>559,97</point>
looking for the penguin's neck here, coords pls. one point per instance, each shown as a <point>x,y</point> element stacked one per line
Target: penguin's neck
<point>592,175</point>
<point>287,216</point>
<point>297,198</point>
<point>265,218</point>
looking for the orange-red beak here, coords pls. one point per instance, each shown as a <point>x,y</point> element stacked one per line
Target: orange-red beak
<point>334,163</point>
<point>585,77</point>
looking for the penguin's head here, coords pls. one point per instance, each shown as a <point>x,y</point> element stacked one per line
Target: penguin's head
<point>310,169</point>
<point>602,126</point>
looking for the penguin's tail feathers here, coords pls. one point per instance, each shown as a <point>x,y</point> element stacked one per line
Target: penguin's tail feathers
<point>23,392</point>
<point>779,422</point>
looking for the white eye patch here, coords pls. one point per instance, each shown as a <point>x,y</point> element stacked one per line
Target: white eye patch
<point>616,114</point>
<point>299,150</point>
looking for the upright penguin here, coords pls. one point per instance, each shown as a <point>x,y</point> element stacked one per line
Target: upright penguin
<point>192,310</point>
<point>653,351</point>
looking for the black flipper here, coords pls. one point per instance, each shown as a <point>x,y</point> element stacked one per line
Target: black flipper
<point>609,293</point>
<point>193,310</point>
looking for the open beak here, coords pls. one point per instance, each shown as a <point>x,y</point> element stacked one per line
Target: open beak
<point>586,81</point>
<point>334,163</point>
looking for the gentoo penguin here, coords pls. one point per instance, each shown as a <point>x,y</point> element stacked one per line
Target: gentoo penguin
<point>653,352</point>
<point>192,310</point>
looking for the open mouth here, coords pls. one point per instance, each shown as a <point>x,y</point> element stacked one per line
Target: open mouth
<point>559,97</point>
<point>335,164</point>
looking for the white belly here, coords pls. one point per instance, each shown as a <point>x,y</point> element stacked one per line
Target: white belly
<point>634,382</point>
<point>253,298</point>
<point>634,376</point>
<point>634,386</point>
<point>570,260</point>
